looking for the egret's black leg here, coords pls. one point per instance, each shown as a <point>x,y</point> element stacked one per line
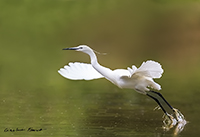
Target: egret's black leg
<point>158,103</point>
<point>159,94</point>
<point>164,105</point>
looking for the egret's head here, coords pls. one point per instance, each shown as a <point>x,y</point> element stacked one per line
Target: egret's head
<point>83,48</point>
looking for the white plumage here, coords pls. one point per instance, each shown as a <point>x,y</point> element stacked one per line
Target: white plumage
<point>79,71</point>
<point>135,78</point>
<point>150,69</point>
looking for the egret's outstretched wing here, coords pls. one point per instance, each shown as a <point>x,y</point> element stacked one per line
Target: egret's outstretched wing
<point>79,71</point>
<point>149,69</point>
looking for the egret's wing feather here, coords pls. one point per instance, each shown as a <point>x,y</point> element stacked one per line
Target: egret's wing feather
<point>79,71</point>
<point>150,69</point>
<point>132,70</point>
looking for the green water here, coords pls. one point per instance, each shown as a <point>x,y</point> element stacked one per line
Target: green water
<point>36,101</point>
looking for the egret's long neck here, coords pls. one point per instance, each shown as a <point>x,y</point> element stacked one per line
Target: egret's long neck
<point>93,59</point>
<point>106,72</point>
<point>94,62</point>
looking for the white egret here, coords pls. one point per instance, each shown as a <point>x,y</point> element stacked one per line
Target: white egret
<point>139,79</point>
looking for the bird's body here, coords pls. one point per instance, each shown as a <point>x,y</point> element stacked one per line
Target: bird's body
<point>133,78</point>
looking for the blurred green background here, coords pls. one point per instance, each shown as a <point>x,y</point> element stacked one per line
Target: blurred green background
<point>33,33</point>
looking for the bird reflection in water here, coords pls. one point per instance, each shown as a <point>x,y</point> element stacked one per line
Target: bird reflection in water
<point>177,121</point>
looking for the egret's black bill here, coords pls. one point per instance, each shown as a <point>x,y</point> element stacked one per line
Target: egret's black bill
<point>164,105</point>
<point>70,48</point>
<point>73,48</point>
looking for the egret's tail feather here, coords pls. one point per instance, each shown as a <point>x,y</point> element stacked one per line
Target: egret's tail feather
<point>154,85</point>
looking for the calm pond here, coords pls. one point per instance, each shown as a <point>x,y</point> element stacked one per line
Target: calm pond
<point>85,110</point>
